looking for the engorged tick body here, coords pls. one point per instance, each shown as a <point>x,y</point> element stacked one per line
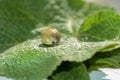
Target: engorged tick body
<point>50,37</point>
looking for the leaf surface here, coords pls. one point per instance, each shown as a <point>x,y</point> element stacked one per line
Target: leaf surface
<point>102,26</point>
<point>33,61</point>
<point>106,59</point>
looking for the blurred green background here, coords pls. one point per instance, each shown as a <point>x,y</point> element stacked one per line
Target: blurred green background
<point>112,3</point>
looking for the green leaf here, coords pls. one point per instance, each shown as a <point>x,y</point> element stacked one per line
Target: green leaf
<point>96,18</point>
<point>27,62</point>
<point>33,61</point>
<point>106,59</point>
<point>101,26</point>
<point>77,73</point>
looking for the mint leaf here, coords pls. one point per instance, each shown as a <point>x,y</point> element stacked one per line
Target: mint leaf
<point>106,59</point>
<point>27,62</point>
<point>32,61</point>
<point>101,26</point>
<point>96,18</point>
<point>79,72</point>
